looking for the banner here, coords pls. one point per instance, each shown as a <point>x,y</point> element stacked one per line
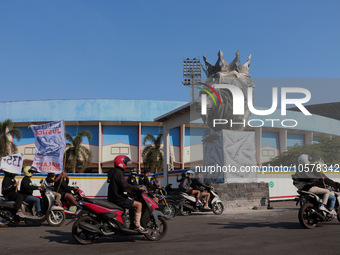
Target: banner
<point>12,163</point>
<point>50,146</point>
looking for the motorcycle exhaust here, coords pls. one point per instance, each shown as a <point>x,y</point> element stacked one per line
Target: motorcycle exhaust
<point>90,228</point>
<point>189,207</point>
<point>319,216</point>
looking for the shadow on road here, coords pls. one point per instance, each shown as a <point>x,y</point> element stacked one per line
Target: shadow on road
<point>277,225</point>
<point>67,238</point>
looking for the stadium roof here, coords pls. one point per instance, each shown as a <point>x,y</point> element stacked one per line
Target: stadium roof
<point>329,110</point>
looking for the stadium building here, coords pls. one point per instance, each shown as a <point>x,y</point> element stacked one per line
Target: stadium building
<point>119,127</point>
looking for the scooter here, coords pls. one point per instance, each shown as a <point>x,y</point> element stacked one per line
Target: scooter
<point>54,214</point>
<point>188,204</point>
<point>309,213</point>
<point>97,218</point>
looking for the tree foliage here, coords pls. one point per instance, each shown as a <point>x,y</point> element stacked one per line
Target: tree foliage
<point>325,148</point>
<point>77,154</point>
<point>153,154</point>
<point>7,132</point>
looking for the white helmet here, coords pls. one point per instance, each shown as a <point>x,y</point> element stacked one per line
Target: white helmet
<point>304,159</point>
<point>189,172</point>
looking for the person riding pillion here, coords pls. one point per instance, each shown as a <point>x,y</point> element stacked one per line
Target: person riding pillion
<point>185,186</point>
<point>118,187</point>
<point>308,179</point>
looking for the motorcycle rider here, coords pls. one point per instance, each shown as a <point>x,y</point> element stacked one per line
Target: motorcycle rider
<point>144,180</point>
<point>118,186</point>
<point>196,185</point>
<point>61,186</point>
<point>9,191</point>
<point>315,182</point>
<point>185,186</point>
<point>132,178</point>
<point>27,188</point>
<point>155,182</point>
<point>49,181</point>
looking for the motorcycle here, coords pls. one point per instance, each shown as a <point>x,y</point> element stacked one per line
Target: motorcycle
<point>309,213</point>
<point>78,195</point>
<point>54,214</point>
<point>97,218</point>
<point>167,204</point>
<point>188,204</point>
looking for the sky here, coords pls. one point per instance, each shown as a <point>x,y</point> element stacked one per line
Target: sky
<point>134,49</point>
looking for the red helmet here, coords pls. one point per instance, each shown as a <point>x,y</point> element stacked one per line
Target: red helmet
<point>121,161</point>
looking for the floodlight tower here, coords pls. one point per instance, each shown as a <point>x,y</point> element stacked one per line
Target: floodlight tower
<point>192,74</point>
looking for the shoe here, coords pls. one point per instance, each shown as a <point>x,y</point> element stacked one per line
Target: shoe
<point>333,213</point>
<point>39,214</point>
<point>23,214</point>
<point>141,230</point>
<point>206,207</point>
<point>323,208</point>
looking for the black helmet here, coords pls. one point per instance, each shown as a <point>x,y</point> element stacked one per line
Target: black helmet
<point>134,171</point>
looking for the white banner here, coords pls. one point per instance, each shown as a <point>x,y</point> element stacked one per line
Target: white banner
<point>12,163</point>
<point>50,146</point>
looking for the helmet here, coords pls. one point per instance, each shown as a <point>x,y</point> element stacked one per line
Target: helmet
<point>189,172</point>
<point>134,171</point>
<point>121,161</point>
<point>28,170</point>
<point>304,159</point>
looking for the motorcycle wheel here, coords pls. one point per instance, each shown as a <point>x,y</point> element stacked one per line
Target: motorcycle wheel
<point>217,208</point>
<point>183,210</point>
<point>56,218</point>
<point>82,236</point>
<point>3,221</point>
<point>305,216</point>
<point>156,231</point>
<point>170,211</point>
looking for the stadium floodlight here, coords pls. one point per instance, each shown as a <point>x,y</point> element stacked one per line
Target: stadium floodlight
<point>192,73</point>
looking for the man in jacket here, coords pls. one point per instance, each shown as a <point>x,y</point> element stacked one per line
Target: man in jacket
<point>118,188</point>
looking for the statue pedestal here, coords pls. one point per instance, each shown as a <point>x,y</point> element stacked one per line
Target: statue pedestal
<point>230,156</point>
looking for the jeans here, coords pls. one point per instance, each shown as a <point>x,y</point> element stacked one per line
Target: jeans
<point>35,201</point>
<point>331,201</point>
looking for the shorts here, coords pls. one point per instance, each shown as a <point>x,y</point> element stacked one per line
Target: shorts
<point>189,192</point>
<point>127,203</point>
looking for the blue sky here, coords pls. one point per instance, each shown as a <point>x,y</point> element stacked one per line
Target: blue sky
<point>134,49</point>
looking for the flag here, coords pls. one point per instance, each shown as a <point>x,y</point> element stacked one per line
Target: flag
<point>50,146</point>
<point>12,163</point>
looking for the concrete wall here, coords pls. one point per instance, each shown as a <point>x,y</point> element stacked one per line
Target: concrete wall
<point>243,195</point>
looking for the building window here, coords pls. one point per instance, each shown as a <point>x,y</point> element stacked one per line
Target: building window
<point>268,153</point>
<point>120,150</point>
<point>29,151</point>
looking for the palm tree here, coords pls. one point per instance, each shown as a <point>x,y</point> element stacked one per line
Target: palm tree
<point>153,153</point>
<point>76,152</point>
<point>7,132</point>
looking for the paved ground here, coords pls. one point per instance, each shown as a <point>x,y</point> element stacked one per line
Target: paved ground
<point>257,232</point>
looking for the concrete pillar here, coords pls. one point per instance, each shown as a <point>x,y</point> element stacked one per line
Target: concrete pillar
<point>309,137</point>
<point>182,139</point>
<point>139,146</point>
<point>166,151</point>
<point>100,148</point>
<point>258,140</point>
<point>283,140</point>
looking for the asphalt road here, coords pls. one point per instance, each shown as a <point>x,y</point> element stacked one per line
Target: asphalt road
<point>235,232</point>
